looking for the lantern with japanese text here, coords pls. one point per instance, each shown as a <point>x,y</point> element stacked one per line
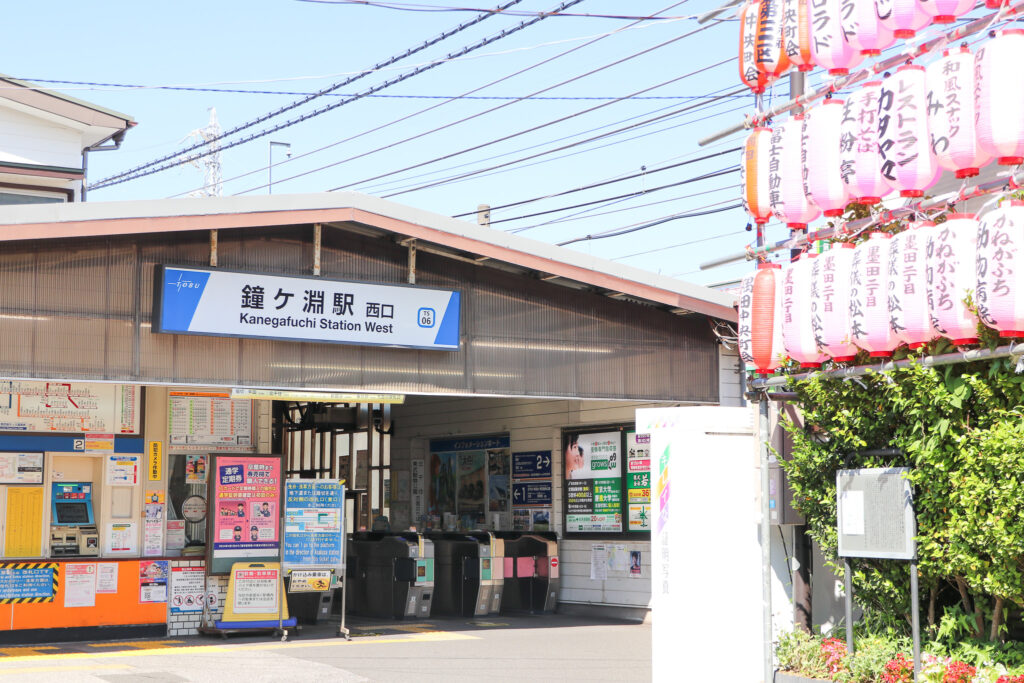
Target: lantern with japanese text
<point>1000,290</point>
<point>771,58</point>
<point>749,74</point>
<point>786,176</point>
<point>951,113</point>
<point>829,46</point>
<point>754,174</point>
<point>830,302</point>
<point>822,161</point>
<point>869,297</point>
<point>903,17</point>
<point>864,30</point>
<point>796,34</point>
<point>908,285</point>
<point>860,162</point>
<point>760,319</point>
<point>1000,98</point>
<point>952,276</point>
<point>797,329</point>
<point>946,11</point>
<point>904,144</point>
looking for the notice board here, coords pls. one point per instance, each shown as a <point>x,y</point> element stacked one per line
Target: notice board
<point>23,535</point>
<point>314,524</point>
<point>244,518</point>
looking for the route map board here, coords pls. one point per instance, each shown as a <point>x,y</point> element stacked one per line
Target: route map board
<point>209,419</point>
<point>69,407</point>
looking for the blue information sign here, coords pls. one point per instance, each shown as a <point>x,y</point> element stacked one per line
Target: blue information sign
<point>531,494</point>
<point>314,526</point>
<point>18,582</point>
<point>531,465</point>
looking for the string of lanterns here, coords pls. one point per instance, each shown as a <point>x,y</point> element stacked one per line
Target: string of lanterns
<point>894,135</point>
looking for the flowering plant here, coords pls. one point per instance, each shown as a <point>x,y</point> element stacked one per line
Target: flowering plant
<point>833,651</point>
<point>959,672</point>
<point>898,670</point>
<point>1011,679</point>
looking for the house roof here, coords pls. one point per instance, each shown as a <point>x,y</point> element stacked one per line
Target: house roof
<point>431,232</point>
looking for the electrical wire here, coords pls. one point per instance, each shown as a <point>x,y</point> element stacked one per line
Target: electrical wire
<point>681,244</point>
<point>132,174</point>
<point>407,117</point>
<point>645,226</point>
<point>418,7</point>
<point>534,128</point>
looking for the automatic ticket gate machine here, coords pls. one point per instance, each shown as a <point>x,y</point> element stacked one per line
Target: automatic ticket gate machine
<point>393,575</point>
<point>73,530</point>
<point>468,575</point>
<point>531,572</point>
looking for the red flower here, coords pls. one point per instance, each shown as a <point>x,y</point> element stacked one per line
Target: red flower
<point>833,652</point>
<point>898,670</point>
<point>959,672</point>
<point>1019,678</point>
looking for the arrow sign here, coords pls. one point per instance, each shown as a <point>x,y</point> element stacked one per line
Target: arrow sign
<point>531,465</point>
<point>531,494</point>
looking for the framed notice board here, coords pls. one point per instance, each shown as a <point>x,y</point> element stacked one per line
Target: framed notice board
<point>243,523</point>
<point>607,494</point>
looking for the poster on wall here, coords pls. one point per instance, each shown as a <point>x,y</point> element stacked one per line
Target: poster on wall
<point>80,584</point>
<point>21,468</point>
<point>418,486</point>
<point>638,481</point>
<point>314,525</point>
<point>24,528</point>
<point>153,545</point>
<point>195,468</point>
<point>106,577</point>
<point>460,477</point>
<point>245,509</point>
<point>593,487</point>
<point>153,576</point>
<point>122,470</point>
<point>69,407</point>
<point>209,418</point>
<point>188,589</point>
<point>122,538</point>
<point>22,581</point>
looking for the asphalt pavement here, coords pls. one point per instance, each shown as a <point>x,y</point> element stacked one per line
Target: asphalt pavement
<point>499,648</point>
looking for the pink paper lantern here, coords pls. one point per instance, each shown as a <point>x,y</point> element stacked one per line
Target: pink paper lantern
<point>1000,289</point>
<point>797,329</point>
<point>952,276</point>
<point>904,144</point>
<point>864,30</point>
<point>760,319</point>
<point>796,34</point>
<point>908,285</point>
<point>771,57</point>
<point>751,77</point>
<point>903,17</point>
<point>829,45</point>
<point>951,113</point>
<point>830,302</point>
<point>786,176</point>
<point>869,297</point>
<point>822,160</point>
<point>860,162</point>
<point>1000,97</point>
<point>946,11</point>
<point>754,174</point>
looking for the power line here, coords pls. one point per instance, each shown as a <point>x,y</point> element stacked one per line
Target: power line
<point>407,117</point>
<point>644,226</point>
<point>539,154</point>
<point>133,173</point>
<point>534,128</point>
<point>602,183</point>
<point>418,7</point>
<point>681,244</point>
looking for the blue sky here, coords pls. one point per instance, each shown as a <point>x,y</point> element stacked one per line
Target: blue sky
<point>285,45</point>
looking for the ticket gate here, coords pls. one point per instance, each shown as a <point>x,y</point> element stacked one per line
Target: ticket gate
<point>530,572</point>
<point>468,574</point>
<point>392,575</point>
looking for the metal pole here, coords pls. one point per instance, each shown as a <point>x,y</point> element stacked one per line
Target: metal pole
<point>270,169</point>
<point>915,627</point>
<point>848,589</point>
<point>766,537</point>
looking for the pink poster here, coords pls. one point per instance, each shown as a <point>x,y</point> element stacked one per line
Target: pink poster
<point>246,506</point>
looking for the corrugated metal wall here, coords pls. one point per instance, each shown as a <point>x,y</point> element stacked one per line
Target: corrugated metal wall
<point>81,309</point>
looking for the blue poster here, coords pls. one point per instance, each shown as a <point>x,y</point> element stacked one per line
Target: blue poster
<point>28,582</point>
<point>531,465</point>
<point>314,529</point>
<point>531,494</point>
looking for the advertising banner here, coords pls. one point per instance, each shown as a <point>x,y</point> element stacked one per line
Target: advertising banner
<point>593,469</point>
<point>638,481</point>
<point>469,477</point>
<point>232,304</point>
<point>314,527</point>
<point>244,509</point>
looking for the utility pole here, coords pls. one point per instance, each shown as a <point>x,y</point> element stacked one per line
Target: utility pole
<point>212,185</point>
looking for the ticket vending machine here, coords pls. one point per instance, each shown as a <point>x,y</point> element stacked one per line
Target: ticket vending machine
<point>73,530</point>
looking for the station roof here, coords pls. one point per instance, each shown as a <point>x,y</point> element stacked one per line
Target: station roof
<point>372,216</point>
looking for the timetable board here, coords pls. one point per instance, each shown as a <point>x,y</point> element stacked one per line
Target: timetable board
<point>209,419</point>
